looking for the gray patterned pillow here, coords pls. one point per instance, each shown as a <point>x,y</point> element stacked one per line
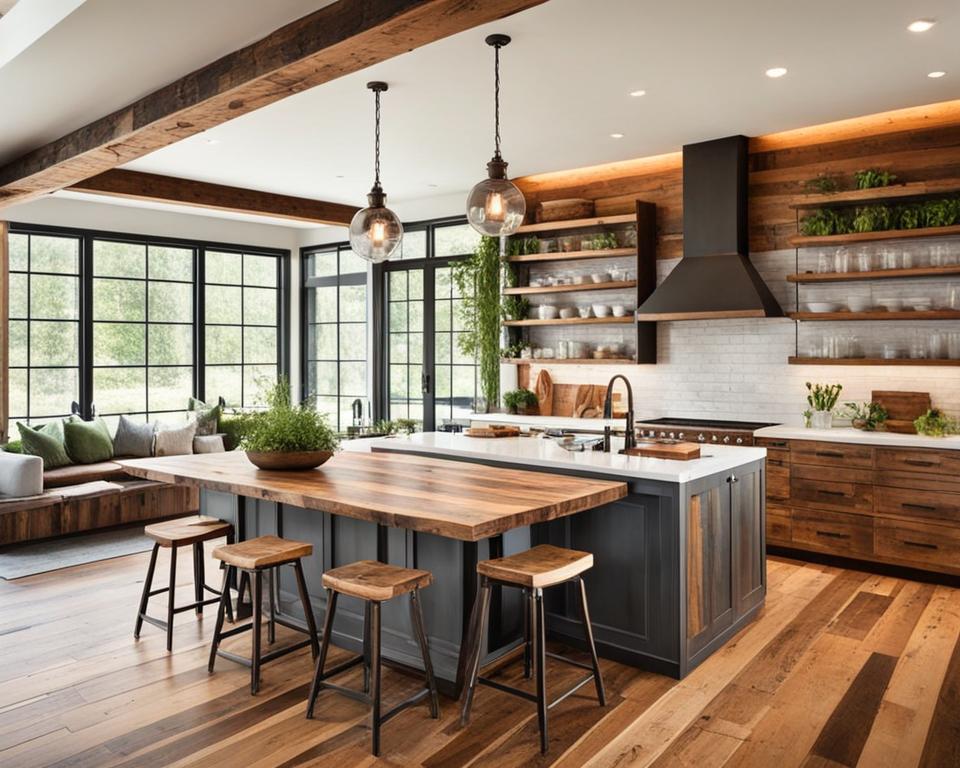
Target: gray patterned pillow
<point>174,442</point>
<point>133,438</point>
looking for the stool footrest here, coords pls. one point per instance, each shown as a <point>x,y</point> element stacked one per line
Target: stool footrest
<point>193,606</point>
<point>571,691</point>
<point>406,703</point>
<point>571,662</point>
<point>341,667</point>
<point>363,698</point>
<point>507,689</point>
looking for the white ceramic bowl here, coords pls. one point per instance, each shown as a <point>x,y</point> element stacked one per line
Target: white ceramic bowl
<point>919,303</point>
<point>823,306</point>
<point>621,310</point>
<point>600,277</point>
<point>601,310</point>
<point>859,303</point>
<point>581,279</point>
<point>585,311</point>
<point>547,312</point>
<point>567,312</point>
<point>891,305</point>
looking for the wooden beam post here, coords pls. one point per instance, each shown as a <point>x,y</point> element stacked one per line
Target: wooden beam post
<point>169,189</point>
<point>341,38</point>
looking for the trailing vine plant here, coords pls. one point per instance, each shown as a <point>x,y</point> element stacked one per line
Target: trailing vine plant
<point>478,281</point>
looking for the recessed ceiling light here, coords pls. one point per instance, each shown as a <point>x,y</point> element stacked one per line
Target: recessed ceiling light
<point>433,186</point>
<point>921,25</point>
<point>338,176</point>
<point>776,72</point>
<point>638,93</point>
<point>935,75</point>
<point>211,142</point>
<point>616,135</point>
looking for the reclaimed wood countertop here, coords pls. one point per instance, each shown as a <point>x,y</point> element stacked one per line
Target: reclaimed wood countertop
<point>447,498</point>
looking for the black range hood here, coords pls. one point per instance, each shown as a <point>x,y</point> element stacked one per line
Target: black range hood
<point>715,278</point>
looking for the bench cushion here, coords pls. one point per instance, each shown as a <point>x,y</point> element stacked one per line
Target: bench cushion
<point>76,474</point>
<point>20,475</point>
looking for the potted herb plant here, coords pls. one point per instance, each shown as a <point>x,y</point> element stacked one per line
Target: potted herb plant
<point>287,436</point>
<point>520,401</point>
<point>935,423</point>
<point>822,399</point>
<point>866,416</point>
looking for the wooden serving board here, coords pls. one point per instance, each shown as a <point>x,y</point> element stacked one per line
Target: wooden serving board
<point>494,430</point>
<point>902,408</point>
<point>676,451</point>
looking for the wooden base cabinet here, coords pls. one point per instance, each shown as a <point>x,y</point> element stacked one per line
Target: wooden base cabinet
<point>878,504</point>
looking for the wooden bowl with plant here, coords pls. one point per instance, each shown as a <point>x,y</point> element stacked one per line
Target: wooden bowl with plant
<point>521,401</point>
<point>287,436</point>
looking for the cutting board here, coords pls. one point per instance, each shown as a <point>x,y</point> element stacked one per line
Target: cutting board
<point>494,430</point>
<point>676,451</point>
<point>903,408</point>
<point>544,393</point>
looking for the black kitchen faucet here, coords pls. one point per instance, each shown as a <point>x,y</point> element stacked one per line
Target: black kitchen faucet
<point>630,436</point>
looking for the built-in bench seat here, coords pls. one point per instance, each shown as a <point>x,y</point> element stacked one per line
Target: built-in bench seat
<point>75,474</point>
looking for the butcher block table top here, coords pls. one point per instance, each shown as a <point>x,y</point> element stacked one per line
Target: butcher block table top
<point>447,498</point>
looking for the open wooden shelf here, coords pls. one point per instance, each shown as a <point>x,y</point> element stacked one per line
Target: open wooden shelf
<point>867,361</point>
<point>571,361</point>
<point>874,274</point>
<point>596,221</point>
<point>803,241</point>
<point>932,314</point>
<point>916,190</point>
<point>611,286</point>
<point>606,253</point>
<point>573,321</point>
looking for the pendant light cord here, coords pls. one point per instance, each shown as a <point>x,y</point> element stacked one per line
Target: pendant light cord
<point>376,151</point>
<point>496,100</point>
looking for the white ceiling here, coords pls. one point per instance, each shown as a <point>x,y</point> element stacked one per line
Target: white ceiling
<point>566,83</point>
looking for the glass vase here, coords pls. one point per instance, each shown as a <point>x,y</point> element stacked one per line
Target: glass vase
<point>821,420</point>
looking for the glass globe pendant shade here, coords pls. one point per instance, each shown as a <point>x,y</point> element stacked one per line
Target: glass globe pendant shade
<point>375,231</point>
<point>495,206</point>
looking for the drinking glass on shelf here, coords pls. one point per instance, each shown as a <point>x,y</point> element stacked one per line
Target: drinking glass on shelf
<point>864,260</point>
<point>888,258</point>
<point>890,352</point>
<point>936,346</point>
<point>907,260</point>
<point>825,263</point>
<point>841,259</point>
<point>918,350</point>
<point>953,296</point>
<point>953,345</point>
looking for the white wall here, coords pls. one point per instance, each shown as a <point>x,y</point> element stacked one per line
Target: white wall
<point>737,369</point>
<point>87,214</point>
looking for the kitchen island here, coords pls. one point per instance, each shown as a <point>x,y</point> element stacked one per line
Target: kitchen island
<point>678,546</point>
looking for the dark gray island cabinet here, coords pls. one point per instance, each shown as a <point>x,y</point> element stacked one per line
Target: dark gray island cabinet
<point>679,563</point>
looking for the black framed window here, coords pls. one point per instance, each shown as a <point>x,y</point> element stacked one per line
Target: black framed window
<point>129,325</point>
<point>44,326</point>
<point>241,318</point>
<point>335,331</point>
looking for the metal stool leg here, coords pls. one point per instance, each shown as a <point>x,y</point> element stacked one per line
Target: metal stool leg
<point>540,653</point>
<point>476,646</point>
<point>307,609</point>
<point>526,600</point>
<point>324,647</point>
<point>588,630</point>
<point>145,596</point>
<point>170,597</point>
<point>366,646</point>
<point>375,674</point>
<point>257,579</point>
<point>198,576</point>
<point>222,606</point>
<point>271,624</point>
<point>416,616</point>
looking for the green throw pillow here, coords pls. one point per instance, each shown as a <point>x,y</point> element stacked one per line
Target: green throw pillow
<point>88,441</point>
<point>208,416</point>
<point>46,442</point>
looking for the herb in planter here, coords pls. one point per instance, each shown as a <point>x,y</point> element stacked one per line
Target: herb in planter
<point>910,216</point>
<point>520,246</point>
<point>602,242</point>
<point>513,351</point>
<point>941,213</point>
<point>872,178</point>
<point>866,416</point>
<point>515,307</point>
<point>935,423</point>
<point>518,400</point>
<point>825,184</point>
<point>823,397</point>
<point>284,427</point>
<point>872,218</point>
<point>825,221</point>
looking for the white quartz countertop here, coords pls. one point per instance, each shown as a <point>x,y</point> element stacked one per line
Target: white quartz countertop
<point>553,422</point>
<point>541,453</point>
<point>851,435</point>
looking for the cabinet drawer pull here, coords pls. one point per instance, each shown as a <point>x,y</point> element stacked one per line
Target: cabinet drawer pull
<point>778,443</point>
<point>829,454</point>
<point>824,492</point>
<point>924,507</point>
<point>920,544</point>
<point>833,535</point>
<point>920,463</point>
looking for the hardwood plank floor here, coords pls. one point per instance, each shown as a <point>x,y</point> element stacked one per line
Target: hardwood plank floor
<point>842,668</point>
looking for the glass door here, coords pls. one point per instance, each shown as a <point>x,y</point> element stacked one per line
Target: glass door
<point>408,386</point>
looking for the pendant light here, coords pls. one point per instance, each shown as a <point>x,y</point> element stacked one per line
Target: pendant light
<point>375,231</point>
<point>495,206</point>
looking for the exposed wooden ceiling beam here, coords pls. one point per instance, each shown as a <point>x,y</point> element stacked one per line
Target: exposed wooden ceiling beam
<point>135,185</point>
<point>341,38</point>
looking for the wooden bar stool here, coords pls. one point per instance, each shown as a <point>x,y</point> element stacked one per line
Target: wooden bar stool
<point>173,534</point>
<point>532,571</point>
<point>252,558</point>
<point>374,582</point>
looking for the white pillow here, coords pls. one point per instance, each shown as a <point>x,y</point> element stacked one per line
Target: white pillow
<point>208,444</point>
<point>174,442</point>
<point>20,475</point>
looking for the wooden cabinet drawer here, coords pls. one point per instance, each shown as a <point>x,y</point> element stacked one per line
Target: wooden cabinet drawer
<point>932,505</point>
<point>919,460</point>
<point>831,454</point>
<point>775,446</point>
<point>843,490</point>
<point>778,481</point>
<point>833,532</point>
<point>778,524</point>
<point>919,544</point>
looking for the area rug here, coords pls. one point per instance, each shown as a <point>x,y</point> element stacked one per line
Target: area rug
<point>21,560</point>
